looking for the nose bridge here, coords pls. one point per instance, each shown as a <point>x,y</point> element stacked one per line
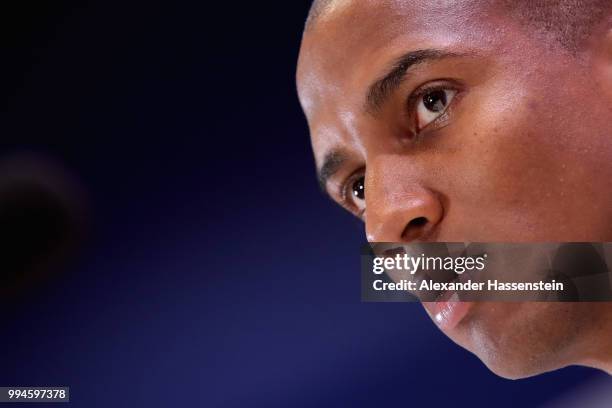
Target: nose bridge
<point>399,206</point>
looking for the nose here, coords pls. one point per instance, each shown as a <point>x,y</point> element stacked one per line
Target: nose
<point>400,209</point>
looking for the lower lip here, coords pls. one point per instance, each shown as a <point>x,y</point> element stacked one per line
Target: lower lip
<point>448,314</point>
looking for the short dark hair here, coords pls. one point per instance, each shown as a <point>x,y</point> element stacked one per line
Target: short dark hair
<point>570,22</point>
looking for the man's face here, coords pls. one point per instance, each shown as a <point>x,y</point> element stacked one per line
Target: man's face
<point>450,122</point>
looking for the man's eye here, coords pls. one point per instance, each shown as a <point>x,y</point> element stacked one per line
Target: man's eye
<point>355,195</point>
<point>432,105</point>
<point>359,188</point>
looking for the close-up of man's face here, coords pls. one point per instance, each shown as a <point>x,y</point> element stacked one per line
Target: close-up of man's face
<point>463,121</point>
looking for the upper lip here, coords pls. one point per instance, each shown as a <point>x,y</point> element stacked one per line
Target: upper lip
<point>445,295</point>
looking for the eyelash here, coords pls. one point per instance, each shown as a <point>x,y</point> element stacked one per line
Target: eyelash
<point>345,191</point>
<point>415,96</point>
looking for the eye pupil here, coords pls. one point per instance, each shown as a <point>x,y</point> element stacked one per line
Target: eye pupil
<point>435,101</point>
<point>359,188</point>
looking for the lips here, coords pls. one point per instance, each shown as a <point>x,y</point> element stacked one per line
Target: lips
<point>448,314</point>
<point>444,306</point>
<point>447,310</point>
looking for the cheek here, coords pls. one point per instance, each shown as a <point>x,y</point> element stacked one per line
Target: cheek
<point>529,167</point>
<point>519,339</point>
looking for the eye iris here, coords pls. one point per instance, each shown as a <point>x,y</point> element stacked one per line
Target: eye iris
<point>435,101</point>
<point>359,188</point>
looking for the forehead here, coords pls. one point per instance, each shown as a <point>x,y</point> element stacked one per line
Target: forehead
<point>352,42</point>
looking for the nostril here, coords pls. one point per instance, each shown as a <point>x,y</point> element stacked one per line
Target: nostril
<point>418,222</point>
<point>415,228</point>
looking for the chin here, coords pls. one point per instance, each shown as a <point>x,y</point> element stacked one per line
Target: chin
<point>518,340</point>
<point>516,367</point>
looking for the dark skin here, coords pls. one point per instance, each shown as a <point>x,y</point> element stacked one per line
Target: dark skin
<point>490,132</point>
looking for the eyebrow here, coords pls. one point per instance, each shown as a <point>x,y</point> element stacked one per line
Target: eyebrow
<point>332,162</point>
<point>379,91</point>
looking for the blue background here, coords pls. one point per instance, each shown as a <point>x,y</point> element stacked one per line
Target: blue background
<point>215,273</point>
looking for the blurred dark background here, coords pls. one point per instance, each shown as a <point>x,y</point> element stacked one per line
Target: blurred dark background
<point>163,240</point>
